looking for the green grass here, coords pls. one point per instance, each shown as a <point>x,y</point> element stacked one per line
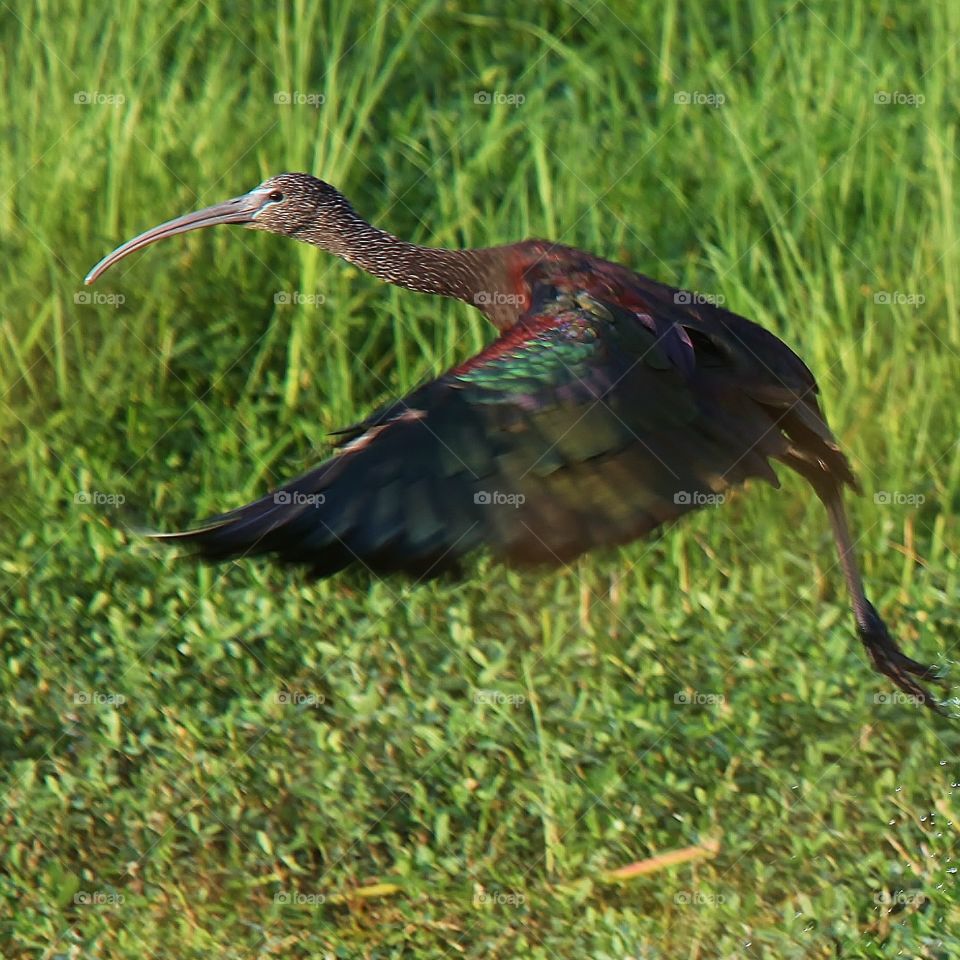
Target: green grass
<point>220,761</point>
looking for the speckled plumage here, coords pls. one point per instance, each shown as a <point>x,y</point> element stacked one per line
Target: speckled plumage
<point>609,404</point>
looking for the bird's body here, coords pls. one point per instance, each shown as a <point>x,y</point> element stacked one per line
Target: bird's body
<point>608,404</point>
<point>584,424</point>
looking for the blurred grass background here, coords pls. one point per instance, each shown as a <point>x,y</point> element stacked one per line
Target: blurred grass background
<point>223,761</point>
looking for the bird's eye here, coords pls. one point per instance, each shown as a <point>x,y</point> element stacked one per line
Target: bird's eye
<point>275,197</point>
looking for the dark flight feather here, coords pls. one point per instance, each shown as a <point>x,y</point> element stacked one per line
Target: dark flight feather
<point>586,424</point>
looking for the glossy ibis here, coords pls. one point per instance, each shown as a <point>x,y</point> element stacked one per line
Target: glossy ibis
<point>608,404</point>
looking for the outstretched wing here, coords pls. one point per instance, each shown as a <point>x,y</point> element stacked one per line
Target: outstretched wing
<point>585,424</point>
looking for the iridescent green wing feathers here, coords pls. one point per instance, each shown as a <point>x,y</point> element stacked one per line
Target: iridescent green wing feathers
<point>586,424</point>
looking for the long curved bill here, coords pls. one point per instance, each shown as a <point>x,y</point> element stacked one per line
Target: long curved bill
<point>237,210</point>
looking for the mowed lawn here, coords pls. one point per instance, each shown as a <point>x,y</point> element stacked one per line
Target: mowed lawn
<point>238,762</point>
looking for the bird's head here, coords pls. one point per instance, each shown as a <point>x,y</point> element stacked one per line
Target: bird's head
<point>294,203</point>
<point>291,204</point>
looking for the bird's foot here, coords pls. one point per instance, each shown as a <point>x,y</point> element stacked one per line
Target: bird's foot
<point>892,662</point>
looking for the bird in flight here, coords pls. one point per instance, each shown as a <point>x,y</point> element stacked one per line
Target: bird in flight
<point>607,405</point>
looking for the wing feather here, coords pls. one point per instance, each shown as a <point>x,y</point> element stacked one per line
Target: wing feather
<point>586,424</point>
